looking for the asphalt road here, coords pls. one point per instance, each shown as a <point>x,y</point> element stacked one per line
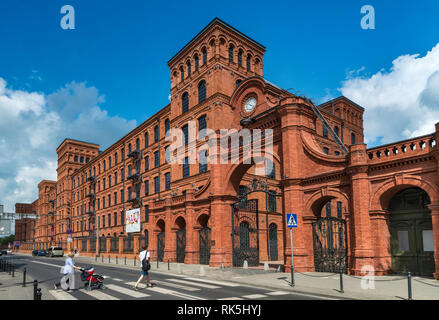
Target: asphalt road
<point>119,283</point>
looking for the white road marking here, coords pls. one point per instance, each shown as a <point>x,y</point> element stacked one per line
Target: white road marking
<point>226,284</point>
<point>167,291</point>
<point>276,293</point>
<point>96,293</point>
<point>254,296</point>
<point>178,286</point>
<point>231,298</point>
<point>62,295</point>
<point>194,284</point>
<point>126,291</point>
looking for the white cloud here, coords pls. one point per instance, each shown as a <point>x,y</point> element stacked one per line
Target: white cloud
<point>400,103</point>
<point>33,124</point>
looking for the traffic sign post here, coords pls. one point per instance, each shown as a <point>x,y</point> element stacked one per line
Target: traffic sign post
<point>292,223</point>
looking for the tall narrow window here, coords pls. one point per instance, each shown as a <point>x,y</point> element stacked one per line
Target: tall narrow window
<point>185,102</point>
<point>249,57</point>
<point>181,74</point>
<point>185,134</point>
<point>352,138</point>
<point>188,68</point>
<point>325,131</point>
<point>202,91</point>
<point>196,62</point>
<point>146,140</point>
<point>201,126</point>
<point>271,201</point>
<point>270,169</point>
<point>186,172</point>
<point>240,57</point>
<point>123,154</point>
<point>167,181</point>
<point>129,193</point>
<point>156,159</point>
<point>231,52</point>
<point>204,51</point>
<point>129,151</point>
<point>137,144</point>
<point>156,185</point>
<point>146,187</point>
<point>202,159</point>
<point>339,212</point>
<point>166,126</point>
<point>156,133</point>
<point>146,220</point>
<point>115,158</point>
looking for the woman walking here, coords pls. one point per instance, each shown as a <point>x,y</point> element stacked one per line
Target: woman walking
<point>68,270</point>
<point>144,258</point>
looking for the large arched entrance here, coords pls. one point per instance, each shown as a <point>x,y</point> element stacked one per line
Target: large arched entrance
<point>411,234</point>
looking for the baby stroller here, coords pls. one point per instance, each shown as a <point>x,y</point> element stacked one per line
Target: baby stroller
<point>92,280</point>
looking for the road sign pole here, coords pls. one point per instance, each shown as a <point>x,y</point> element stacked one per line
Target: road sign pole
<point>292,258</point>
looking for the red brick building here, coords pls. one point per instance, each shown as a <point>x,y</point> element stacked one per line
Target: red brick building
<point>356,207</point>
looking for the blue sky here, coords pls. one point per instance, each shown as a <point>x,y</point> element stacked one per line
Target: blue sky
<point>123,50</point>
<point>101,80</point>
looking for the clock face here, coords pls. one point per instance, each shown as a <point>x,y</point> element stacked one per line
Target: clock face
<point>250,104</point>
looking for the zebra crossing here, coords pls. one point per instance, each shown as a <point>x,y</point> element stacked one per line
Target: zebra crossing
<point>186,288</point>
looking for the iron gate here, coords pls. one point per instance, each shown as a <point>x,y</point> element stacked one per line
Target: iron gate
<point>272,235</point>
<point>128,244</point>
<point>330,245</point>
<point>160,246</point>
<point>114,244</point>
<point>204,235</point>
<point>245,233</point>
<point>103,244</point>
<point>92,244</point>
<point>181,245</point>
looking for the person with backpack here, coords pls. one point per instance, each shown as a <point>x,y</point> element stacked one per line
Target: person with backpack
<point>144,257</point>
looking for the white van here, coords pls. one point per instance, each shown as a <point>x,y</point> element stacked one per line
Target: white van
<point>55,252</point>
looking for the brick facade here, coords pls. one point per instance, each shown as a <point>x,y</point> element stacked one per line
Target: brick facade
<point>310,169</point>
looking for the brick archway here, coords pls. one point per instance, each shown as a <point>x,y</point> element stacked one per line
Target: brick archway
<point>382,196</point>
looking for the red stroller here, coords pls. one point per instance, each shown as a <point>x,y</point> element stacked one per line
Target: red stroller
<point>92,280</point>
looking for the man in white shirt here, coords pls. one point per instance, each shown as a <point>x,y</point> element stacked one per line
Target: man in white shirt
<point>144,258</point>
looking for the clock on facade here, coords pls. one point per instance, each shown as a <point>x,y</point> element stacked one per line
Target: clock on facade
<point>250,104</point>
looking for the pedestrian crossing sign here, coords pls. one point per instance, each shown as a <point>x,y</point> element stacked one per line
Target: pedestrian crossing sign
<point>292,220</point>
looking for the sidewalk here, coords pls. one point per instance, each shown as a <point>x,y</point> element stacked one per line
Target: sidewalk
<point>11,288</point>
<point>312,283</point>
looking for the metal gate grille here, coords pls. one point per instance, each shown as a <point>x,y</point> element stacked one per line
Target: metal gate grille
<point>128,244</point>
<point>114,244</point>
<point>330,249</point>
<point>103,244</point>
<point>272,235</point>
<point>160,246</point>
<point>181,245</point>
<point>204,235</point>
<point>92,244</point>
<point>245,233</point>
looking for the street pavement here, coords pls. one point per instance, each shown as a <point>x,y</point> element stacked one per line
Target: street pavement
<point>119,282</point>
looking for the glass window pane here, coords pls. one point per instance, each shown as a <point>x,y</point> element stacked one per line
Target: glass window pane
<point>427,239</point>
<point>403,240</point>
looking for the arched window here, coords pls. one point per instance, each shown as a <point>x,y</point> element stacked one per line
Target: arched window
<point>156,133</point>
<point>352,138</point>
<point>326,150</point>
<point>248,62</point>
<point>240,57</point>
<point>185,102</point>
<point>336,131</point>
<point>129,151</point>
<point>202,91</point>
<point>166,126</point>
<point>196,62</point>
<point>188,68</point>
<point>231,52</point>
<point>181,74</point>
<point>204,51</point>
<point>146,140</point>
<point>137,144</point>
